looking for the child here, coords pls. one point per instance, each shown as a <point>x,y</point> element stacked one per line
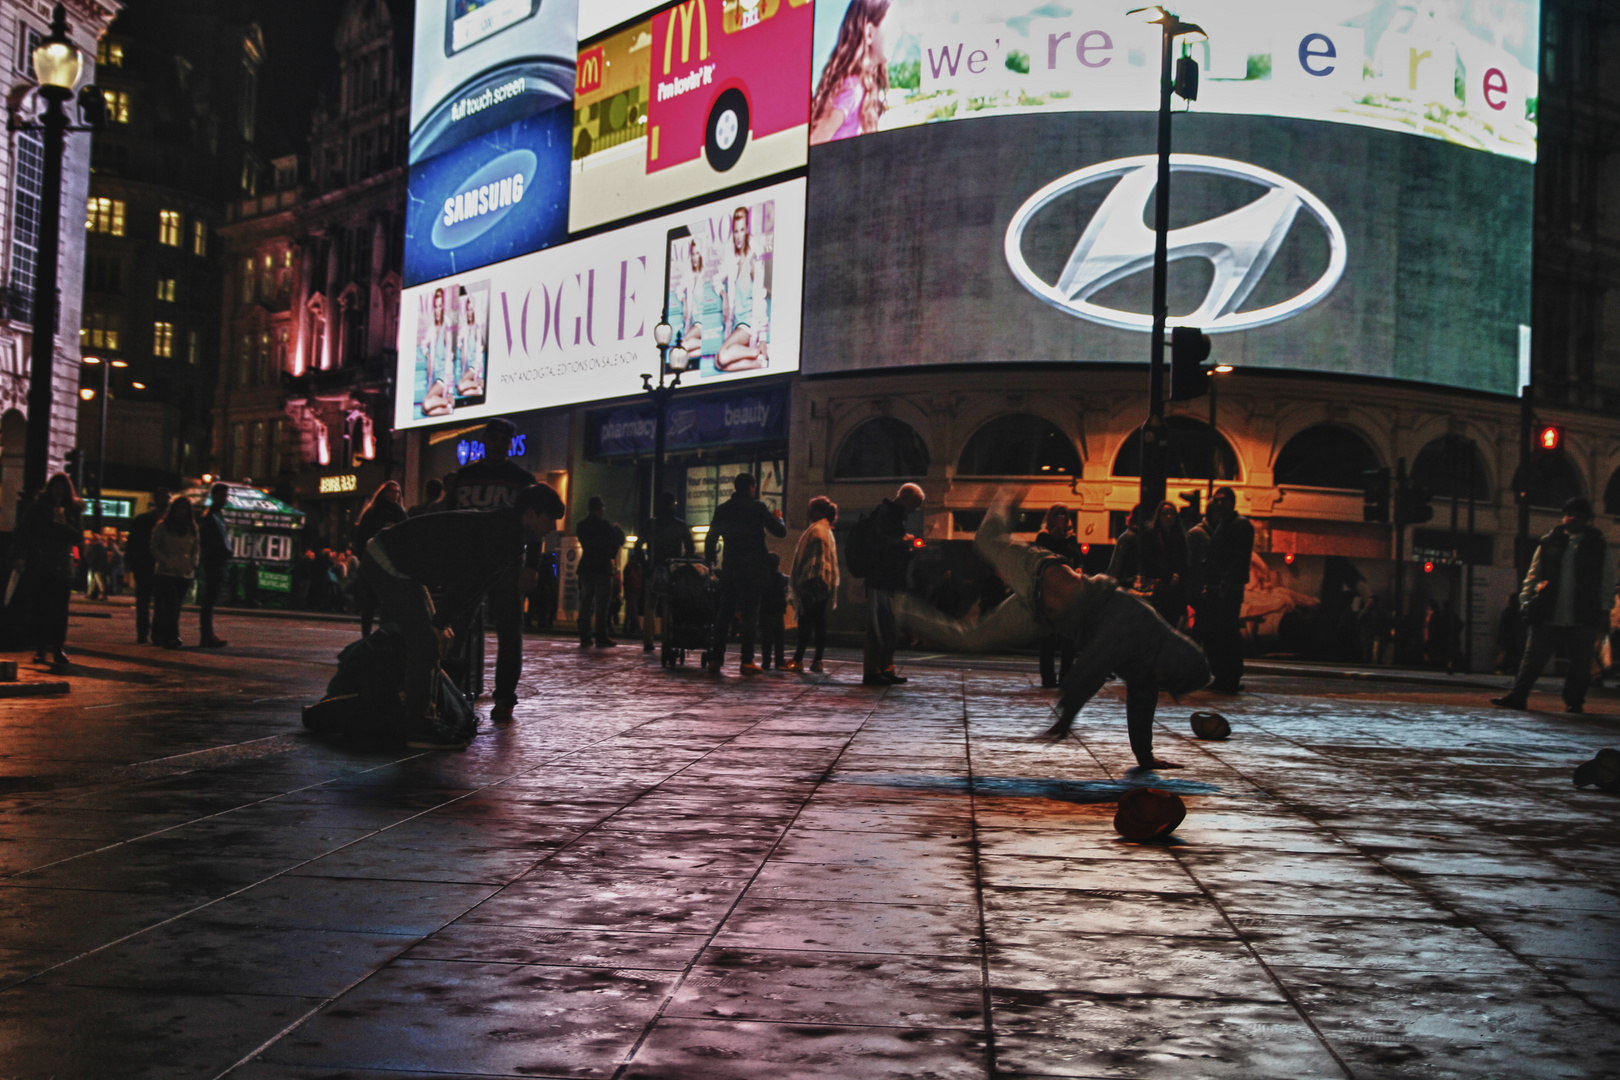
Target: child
<point>773,613</point>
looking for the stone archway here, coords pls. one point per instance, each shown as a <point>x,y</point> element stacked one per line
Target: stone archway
<point>13,434</point>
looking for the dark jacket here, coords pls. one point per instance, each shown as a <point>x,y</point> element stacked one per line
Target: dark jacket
<point>891,550</point>
<point>672,535</point>
<point>381,515</point>
<point>458,552</point>
<point>1591,599</point>
<point>489,485</point>
<point>1226,562</point>
<point>742,522</point>
<point>599,544</point>
<point>138,552</point>
<point>214,538</point>
<point>46,543</point>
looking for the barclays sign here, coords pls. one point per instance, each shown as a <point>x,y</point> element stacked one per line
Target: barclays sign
<point>1117,244</point>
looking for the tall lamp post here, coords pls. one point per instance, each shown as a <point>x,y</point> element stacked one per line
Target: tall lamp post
<point>1154,432</point>
<point>670,355</point>
<point>1214,432</point>
<point>56,65</point>
<point>88,394</point>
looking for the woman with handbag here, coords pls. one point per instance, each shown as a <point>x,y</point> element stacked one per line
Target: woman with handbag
<point>175,550</point>
<point>815,580</point>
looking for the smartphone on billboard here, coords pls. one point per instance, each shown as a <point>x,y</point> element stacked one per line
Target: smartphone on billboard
<point>468,22</point>
<point>686,289</point>
<point>472,344</point>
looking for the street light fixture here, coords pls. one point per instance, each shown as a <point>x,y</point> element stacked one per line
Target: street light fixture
<point>670,355</point>
<point>1154,433</point>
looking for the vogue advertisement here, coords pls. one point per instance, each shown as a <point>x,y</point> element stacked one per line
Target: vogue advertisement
<point>1313,227</point>
<point>575,322</point>
<point>704,95</point>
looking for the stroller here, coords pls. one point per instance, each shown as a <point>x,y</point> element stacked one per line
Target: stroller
<point>684,589</point>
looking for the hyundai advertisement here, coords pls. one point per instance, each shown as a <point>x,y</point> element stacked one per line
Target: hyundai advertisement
<point>575,322</point>
<point>480,65</point>
<point>1351,192</point>
<point>702,96</point>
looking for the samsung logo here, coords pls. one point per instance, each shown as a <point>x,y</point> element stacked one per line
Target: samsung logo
<point>484,198</point>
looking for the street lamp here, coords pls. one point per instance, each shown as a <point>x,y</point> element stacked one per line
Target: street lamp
<point>88,394</point>
<point>1214,432</point>
<point>670,355</point>
<point>1185,83</point>
<point>56,65</point>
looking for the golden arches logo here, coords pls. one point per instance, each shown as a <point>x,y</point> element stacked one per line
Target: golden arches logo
<point>590,71</point>
<point>688,13</point>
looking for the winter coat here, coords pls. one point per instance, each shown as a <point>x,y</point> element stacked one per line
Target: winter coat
<point>816,558</point>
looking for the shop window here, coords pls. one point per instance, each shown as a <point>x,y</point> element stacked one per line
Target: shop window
<point>1325,456</point>
<point>1553,480</point>
<point>1195,451</point>
<point>882,448</point>
<point>1442,467</point>
<point>169,227</point>
<point>1019,445</point>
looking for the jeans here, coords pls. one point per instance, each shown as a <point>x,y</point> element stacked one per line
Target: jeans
<point>144,580</point>
<point>595,594</point>
<point>208,590</point>
<point>168,594</point>
<point>504,605</point>
<point>812,626</point>
<point>738,595</point>
<point>1546,639</point>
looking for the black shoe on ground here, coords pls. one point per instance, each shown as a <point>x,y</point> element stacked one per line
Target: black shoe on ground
<point>212,643</point>
<point>1575,708</point>
<point>893,680</point>
<point>1507,702</point>
<point>874,680</point>
<point>60,657</point>
<point>175,644</point>
<point>606,643</point>
<point>501,713</point>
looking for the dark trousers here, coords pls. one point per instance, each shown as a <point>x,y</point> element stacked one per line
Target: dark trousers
<point>812,625</point>
<point>504,606</point>
<point>143,604</point>
<point>168,593</point>
<point>772,636</point>
<point>881,635</point>
<point>208,590</point>
<point>738,595</point>
<point>1220,633</point>
<point>1052,647</point>
<point>49,598</point>
<point>1547,639</point>
<point>595,596</point>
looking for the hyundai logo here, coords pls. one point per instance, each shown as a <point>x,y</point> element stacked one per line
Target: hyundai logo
<point>1117,243</point>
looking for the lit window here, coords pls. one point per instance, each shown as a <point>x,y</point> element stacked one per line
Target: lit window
<point>109,53</point>
<point>193,346</point>
<point>117,105</point>
<point>106,216</point>
<point>169,227</point>
<point>98,331</point>
<point>199,238</point>
<point>247,281</point>
<point>165,289</point>
<point>163,339</point>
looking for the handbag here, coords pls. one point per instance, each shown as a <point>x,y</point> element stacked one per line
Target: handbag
<point>814,591</point>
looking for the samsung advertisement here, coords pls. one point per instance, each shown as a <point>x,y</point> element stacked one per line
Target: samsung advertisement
<point>574,323</point>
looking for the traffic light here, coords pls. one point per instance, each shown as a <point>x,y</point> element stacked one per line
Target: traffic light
<point>1375,495</point>
<point>1414,508</point>
<point>1549,438</point>
<point>1189,348</point>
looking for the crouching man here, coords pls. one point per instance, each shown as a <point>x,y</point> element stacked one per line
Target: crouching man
<point>456,554</point>
<point>1116,633</point>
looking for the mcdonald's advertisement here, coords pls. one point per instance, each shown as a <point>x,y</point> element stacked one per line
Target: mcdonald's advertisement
<point>702,96</point>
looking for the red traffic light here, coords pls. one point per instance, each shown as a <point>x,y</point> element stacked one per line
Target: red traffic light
<point>1550,437</point>
<point>1428,568</point>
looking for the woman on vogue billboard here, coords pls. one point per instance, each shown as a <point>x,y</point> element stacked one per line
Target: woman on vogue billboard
<point>849,98</point>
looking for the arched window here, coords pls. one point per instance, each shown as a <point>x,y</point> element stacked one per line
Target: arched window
<point>1553,480</point>
<point>1442,467</point>
<point>1195,449</point>
<point>883,448</point>
<point>1611,495</point>
<point>1326,456</point>
<point>1019,445</point>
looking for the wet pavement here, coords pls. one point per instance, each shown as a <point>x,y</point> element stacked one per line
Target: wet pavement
<point>663,875</point>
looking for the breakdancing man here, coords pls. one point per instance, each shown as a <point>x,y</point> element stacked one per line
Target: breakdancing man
<point>1116,633</point>
<point>460,553</point>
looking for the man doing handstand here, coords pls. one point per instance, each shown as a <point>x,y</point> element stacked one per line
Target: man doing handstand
<point>1116,633</point>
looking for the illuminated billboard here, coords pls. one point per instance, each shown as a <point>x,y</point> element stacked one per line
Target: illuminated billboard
<point>575,322</point>
<point>1352,191</point>
<point>704,95</point>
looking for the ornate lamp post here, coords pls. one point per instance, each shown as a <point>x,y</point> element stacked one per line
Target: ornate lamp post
<point>670,355</point>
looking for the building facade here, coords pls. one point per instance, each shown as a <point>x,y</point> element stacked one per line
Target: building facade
<point>312,287</point>
<point>22,26</point>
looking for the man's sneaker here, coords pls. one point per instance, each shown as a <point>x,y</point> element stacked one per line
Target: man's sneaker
<point>1510,702</point>
<point>750,669</point>
<point>501,713</point>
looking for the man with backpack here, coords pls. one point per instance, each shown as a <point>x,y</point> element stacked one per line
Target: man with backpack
<point>879,550</point>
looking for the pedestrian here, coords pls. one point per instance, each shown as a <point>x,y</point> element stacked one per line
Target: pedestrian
<point>888,560</point>
<point>214,541</point>
<point>175,551</point>
<point>1119,634</point>
<point>1225,574</point>
<point>459,554</point>
<point>1509,638</point>
<point>95,568</point>
<point>1150,559</point>
<point>635,582</point>
<point>47,535</point>
<point>115,568</point>
<point>739,526</point>
<point>432,496</point>
<point>138,554</point>
<point>1057,536</point>
<point>1565,602</point>
<point>663,537</point>
<point>599,543</point>
<point>381,510</point>
<point>773,600</point>
<point>1373,624</point>
<point>815,580</point>
<point>492,483</point>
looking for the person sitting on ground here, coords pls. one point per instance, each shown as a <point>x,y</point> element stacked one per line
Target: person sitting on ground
<point>460,553</point>
<point>1116,632</point>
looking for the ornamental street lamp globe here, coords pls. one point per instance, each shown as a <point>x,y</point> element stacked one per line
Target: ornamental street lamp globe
<point>56,62</point>
<point>662,334</point>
